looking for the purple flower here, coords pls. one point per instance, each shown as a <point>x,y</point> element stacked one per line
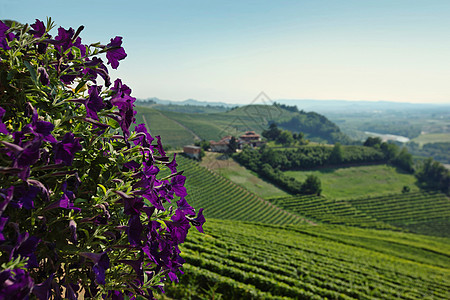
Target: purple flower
<point>150,169</point>
<point>38,29</point>
<point>43,76</point>
<point>101,264</point>
<point>159,146</point>
<point>132,165</point>
<point>115,52</point>
<point>41,188</point>
<point>177,183</point>
<point>42,290</point>
<point>146,139</point>
<point>25,247</point>
<point>65,202</point>
<point>135,264</point>
<point>173,164</point>
<point>30,154</point>
<point>125,103</point>
<point>64,39</point>
<point>133,205</point>
<point>3,222</point>
<point>94,103</point>
<point>80,46</point>
<point>15,284</point>
<point>199,221</point>
<point>65,149</point>
<point>179,227</point>
<point>72,290</point>
<point>96,67</point>
<point>185,208</point>
<point>39,128</point>
<point>151,196</point>
<point>120,90</point>
<point>134,230</point>
<point>4,37</point>
<point>24,196</point>
<point>2,125</point>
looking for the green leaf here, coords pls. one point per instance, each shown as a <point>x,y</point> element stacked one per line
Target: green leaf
<point>80,86</point>
<point>31,70</point>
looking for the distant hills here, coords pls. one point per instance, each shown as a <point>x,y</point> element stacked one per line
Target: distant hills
<point>185,102</point>
<point>339,106</point>
<point>322,106</point>
<point>178,128</point>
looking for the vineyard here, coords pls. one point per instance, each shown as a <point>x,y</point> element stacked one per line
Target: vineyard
<point>237,260</point>
<point>421,212</point>
<point>171,132</point>
<point>321,209</point>
<point>225,200</point>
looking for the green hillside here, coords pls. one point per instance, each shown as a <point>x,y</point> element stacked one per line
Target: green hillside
<point>171,132</point>
<point>214,126</point>
<point>235,260</point>
<point>230,169</point>
<point>362,180</point>
<point>223,199</point>
<point>420,212</point>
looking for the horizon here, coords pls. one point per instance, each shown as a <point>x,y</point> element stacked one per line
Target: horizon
<point>303,99</point>
<point>354,50</point>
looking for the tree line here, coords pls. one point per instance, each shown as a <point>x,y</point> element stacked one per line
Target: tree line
<point>258,161</point>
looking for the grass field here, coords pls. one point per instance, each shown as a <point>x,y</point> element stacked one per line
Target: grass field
<point>238,260</point>
<point>241,176</point>
<point>359,181</point>
<point>432,138</point>
<point>170,131</point>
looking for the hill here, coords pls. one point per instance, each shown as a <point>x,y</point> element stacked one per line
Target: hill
<point>172,132</point>
<point>237,260</point>
<point>213,126</point>
<point>223,199</point>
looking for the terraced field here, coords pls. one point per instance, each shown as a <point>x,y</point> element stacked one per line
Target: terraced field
<point>421,212</point>
<point>225,200</point>
<point>321,209</point>
<point>236,260</point>
<point>171,132</point>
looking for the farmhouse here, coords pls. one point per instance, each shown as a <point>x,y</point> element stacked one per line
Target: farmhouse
<point>221,146</point>
<point>192,151</point>
<point>249,138</point>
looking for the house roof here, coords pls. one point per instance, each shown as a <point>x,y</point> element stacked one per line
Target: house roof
<point>250,134</point>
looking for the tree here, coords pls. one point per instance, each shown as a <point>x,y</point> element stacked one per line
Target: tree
<point>336,154</point>
<point>285,138</point>
<point>404,160</point>
<point>372,142</point>
<point>312,185</point>
<point>433,175</point>
<point>390,151</point>
<point>272,133</point>
<point>205,145</point>
<point>233,145</point>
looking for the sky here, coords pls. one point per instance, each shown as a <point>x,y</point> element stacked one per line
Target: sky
<point>230,51</point>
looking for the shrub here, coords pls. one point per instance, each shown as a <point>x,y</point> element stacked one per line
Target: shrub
<point>83,200</point>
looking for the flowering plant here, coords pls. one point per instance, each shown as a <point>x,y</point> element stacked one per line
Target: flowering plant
<point>85,201</point>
